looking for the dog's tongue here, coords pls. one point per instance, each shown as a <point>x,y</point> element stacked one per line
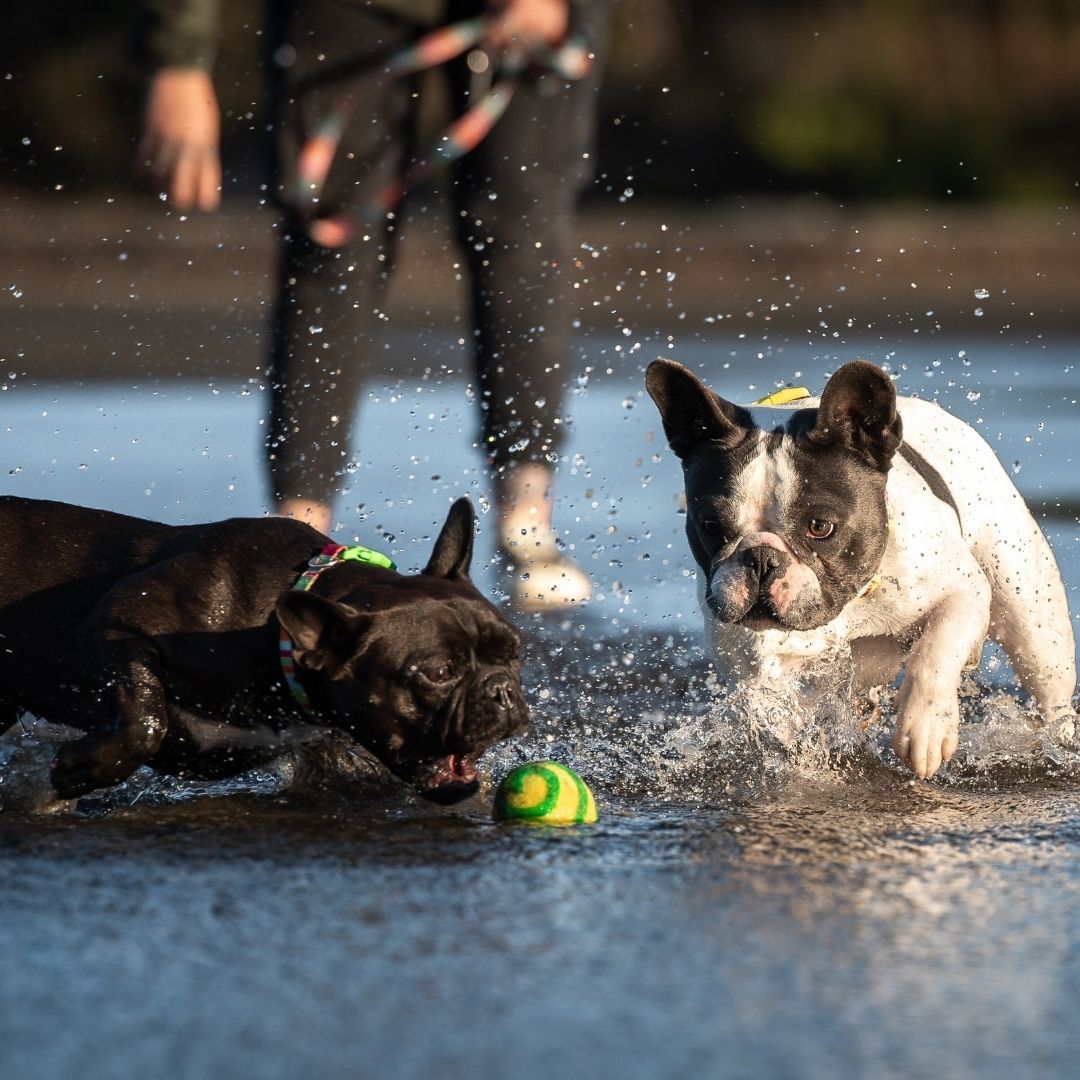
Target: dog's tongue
<point>454,778</point>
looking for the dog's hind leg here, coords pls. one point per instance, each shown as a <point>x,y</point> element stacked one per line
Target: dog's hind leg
<point>132,704</point>
<point>207,749</point>
<point>1029,618</point>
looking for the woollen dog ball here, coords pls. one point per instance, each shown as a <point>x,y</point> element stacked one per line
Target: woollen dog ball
<point>546,793</point>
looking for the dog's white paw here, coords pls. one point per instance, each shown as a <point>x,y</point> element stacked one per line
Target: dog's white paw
<point>926,738</point>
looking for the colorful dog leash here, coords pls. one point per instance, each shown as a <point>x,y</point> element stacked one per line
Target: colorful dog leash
<point>330,555</point>
<point>570,61</point>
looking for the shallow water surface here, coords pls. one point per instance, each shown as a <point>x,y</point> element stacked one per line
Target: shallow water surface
<point>745,907</point>
<point>844,925</point>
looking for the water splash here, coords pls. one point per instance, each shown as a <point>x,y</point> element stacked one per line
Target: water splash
<point>642,718</point>
<point>670,732</point>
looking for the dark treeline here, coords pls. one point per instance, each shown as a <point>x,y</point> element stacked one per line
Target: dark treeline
<point>870,99</point>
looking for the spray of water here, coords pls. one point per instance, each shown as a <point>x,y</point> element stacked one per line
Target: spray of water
<point>644,720</point>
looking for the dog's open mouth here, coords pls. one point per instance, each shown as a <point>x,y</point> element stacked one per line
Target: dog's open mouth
<point>451,780</point>
<point>761,617</point>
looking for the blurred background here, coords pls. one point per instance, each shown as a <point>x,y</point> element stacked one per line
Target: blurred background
<point>874,160</point>
<point>807,166</point>
<point>779,187</point>
<point>910,99</point>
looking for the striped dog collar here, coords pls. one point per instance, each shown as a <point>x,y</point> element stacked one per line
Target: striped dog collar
<point>330,555</point>
<point>335,553</point>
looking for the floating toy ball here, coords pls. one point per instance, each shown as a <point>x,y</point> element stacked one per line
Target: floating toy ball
<point>546,793</point>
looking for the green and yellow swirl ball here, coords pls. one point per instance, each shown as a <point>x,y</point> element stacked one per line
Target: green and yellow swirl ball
<point>546,793</point>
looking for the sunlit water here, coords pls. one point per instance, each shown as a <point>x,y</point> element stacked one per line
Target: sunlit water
<point>767,892</point>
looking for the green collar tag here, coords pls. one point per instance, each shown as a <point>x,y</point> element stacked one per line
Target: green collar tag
<point>329,556</point>
<point>359,553</point>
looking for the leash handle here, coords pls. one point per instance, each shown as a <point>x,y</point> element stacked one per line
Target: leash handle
<point>570,61</point>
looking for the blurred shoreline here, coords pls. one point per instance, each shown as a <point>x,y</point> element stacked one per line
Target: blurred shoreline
<point>101,287</point>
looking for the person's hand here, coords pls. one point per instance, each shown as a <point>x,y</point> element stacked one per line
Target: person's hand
<point>524,24</point>
<point>178,152</point>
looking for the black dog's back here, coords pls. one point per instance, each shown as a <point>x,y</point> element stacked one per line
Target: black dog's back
<point>62,559</point>
<point>43,543</point>
<point>55,542</point>
<point>58,561</point>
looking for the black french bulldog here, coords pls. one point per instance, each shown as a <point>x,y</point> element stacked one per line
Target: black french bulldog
<point>163,643</point>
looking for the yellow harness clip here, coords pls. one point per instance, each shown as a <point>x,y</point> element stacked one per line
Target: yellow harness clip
<point>783,397</point>
<point>871,586</point>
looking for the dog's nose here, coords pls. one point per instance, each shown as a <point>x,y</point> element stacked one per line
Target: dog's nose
<point>503,694</point>
<point>766,562</point>
<point>501,691</point>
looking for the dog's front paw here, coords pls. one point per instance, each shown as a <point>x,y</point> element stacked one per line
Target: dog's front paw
<point>24,777</point>
<point>90,763</point>
<point>927,737</point>
<point>71,773</point>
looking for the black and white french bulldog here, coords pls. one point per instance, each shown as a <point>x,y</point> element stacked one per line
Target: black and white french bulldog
<point>165,644</point>
<point>865,523</point>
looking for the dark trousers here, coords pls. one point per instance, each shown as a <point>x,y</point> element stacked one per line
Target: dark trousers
<point>513,197</point>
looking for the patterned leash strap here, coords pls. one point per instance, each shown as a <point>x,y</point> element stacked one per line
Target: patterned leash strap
<point>570,61</point>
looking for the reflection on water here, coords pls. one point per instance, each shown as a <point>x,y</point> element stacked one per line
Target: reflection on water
<point>740,909</point>
<point>766,894</point>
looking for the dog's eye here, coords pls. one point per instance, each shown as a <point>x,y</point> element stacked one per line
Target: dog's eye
<point>434,673</point>
<point>820,529</point>
<point>711,527</point>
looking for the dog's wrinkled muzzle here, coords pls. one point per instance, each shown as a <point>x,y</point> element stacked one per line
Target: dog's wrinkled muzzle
<point>492,709</point>
<point>752,587</point>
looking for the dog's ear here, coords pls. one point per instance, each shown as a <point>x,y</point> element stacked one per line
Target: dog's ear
<point>858,411</point>
<point>324,633</point>
<point>452,553</point>
<point>691,412</point>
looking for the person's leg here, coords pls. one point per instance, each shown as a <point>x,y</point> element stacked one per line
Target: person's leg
<point>327,300</point>
<point>515,199</point>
